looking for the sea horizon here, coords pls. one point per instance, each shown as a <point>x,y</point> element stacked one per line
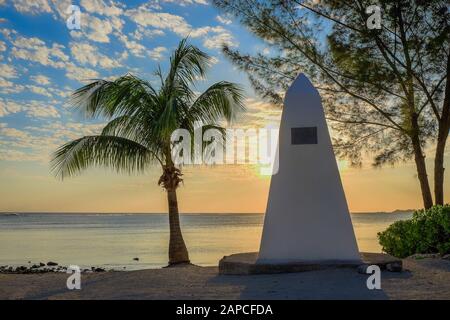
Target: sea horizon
<point>191,212</point>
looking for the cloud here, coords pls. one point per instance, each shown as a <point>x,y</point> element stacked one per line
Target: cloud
<point>142,32</point>
<point>224,20</point>
<point>16,155</point>
<point>134,47</point>
<point>97,29</point>
<point>101,8</point>
<point>129,31</point>
<point>117,23</point>
<point>13,133</point>
<point>123,56</point>
<point>157,53</point>
<point>39,90</point>
<point>32,6</point>
<point>7,71</point>
<point>40,109</point>
<point>62,93</point>
<point>7,87</point>
<point>32,108</point>
<point>214,60</point>
<point>161,20</point>
<point>214,37</point>
<point>7,33</point>
<point>79,73</point>
<point>40,141</point>
<point>45,89</point>
<point>60,7</point>
<point>259,114</point>
<point>218,40</point>
<point>203,31</point>
<point>34,49</point>
<point>186,2</point>
<point>86,53</point>
<point>68,130</point>
<point>139,50</point>
<point>8,107</point>
<point>40,79</point>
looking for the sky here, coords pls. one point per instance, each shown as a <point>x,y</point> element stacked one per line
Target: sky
<point>42,61</point>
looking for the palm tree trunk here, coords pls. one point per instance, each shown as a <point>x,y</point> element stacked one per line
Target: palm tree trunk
<point>177,248</point>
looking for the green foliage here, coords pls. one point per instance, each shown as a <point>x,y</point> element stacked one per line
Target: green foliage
<point>428,231</point>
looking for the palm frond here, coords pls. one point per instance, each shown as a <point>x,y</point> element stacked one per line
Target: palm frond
<point>112,98</point>
<point>120,154</point>
<point>187,64</point>
<point>139,127</point>
<point>221,100</point>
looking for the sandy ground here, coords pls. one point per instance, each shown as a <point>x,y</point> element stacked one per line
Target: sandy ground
<point>422,279</point>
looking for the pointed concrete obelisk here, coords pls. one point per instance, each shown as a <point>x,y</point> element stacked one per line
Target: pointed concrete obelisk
<point>307,217</point>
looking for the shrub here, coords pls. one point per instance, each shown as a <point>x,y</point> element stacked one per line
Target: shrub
<point>428,231</point>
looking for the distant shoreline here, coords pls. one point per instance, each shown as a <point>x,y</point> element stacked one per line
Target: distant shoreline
<point>11,213</point>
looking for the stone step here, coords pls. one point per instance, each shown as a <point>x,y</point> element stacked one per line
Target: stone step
<point>245,264</point>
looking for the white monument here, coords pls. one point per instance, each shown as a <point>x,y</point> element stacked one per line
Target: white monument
<point>307,218</point>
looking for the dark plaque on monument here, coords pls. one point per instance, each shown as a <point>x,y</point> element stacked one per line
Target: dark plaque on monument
<point>305,135</point>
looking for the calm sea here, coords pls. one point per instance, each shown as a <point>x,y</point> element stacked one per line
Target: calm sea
<point>114,240</point>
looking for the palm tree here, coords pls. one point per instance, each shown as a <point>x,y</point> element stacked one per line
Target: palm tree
<point>142,119</point>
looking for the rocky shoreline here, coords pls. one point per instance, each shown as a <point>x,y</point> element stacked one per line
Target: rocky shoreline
<point>54,267</point>
<point>41,267</point>
<point>420,256</point>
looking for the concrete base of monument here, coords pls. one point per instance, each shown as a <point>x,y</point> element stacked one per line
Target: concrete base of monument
<point>245,264</point>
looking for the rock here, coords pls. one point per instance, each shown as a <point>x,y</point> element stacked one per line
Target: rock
<point>34,266</point>
<point>41,264</point>
<point>446,257</point>
<point>21,269</point>
<point>394,267</point>
<point>99,270</point>
<point>420,256</point>
<point>51,264</point>
<point>136,259</point>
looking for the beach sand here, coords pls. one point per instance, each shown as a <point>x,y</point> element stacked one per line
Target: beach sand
<point>422,279</point>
